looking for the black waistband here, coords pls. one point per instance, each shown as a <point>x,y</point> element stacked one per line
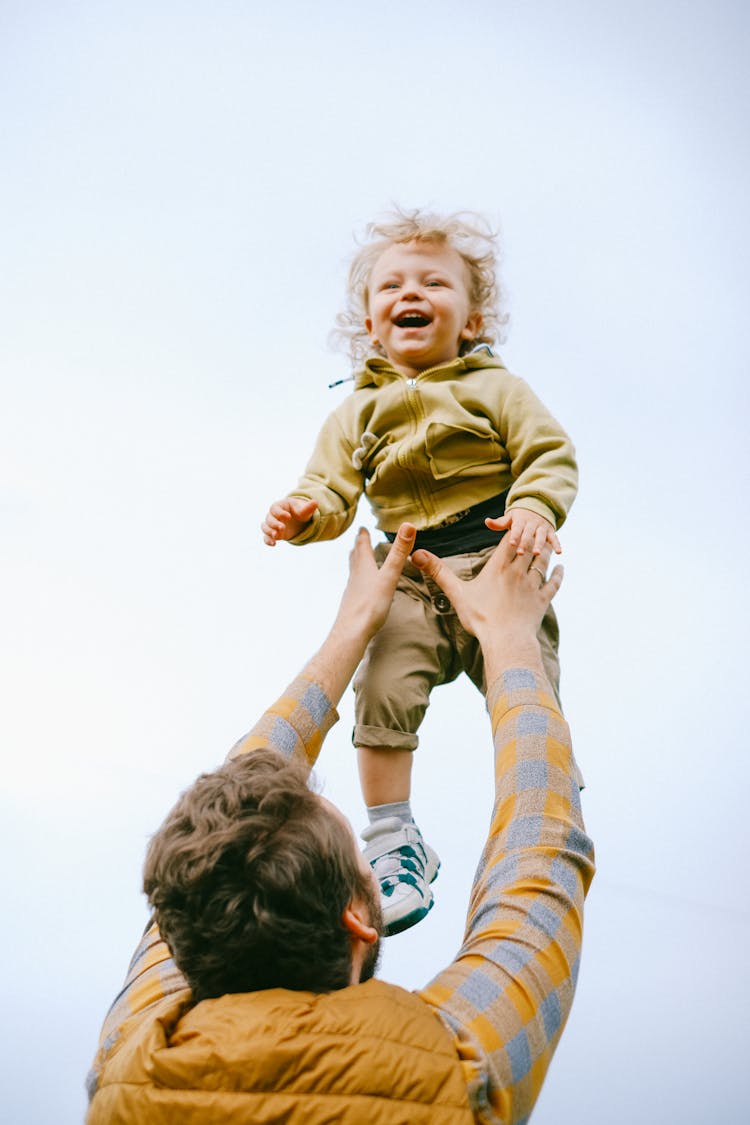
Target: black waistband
<point>463,532</point>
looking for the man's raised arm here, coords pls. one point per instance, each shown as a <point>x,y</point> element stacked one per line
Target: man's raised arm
<point>298,722</point>
<point>508,993</point>
<point>296,725</point>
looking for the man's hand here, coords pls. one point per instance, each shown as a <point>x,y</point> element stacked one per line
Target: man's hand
<point>503,606</point>
<point>364,607</point>
<point>369,592</point>
<point>286,518</point>
<point>526,531</point>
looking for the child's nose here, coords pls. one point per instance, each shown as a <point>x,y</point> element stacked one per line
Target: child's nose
<point>412,290</point>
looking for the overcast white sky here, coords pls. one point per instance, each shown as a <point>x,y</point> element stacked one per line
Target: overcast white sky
<point>179,190</point>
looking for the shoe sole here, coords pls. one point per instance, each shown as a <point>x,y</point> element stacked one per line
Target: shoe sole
<point>398,925</point>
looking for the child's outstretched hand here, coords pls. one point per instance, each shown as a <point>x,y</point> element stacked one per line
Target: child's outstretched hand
<point>526,531</point>
<point>286,518</point>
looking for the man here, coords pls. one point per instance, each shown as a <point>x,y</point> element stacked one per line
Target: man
<point>251,997</point>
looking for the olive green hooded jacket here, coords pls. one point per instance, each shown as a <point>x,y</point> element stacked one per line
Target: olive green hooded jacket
<point>423,449</point>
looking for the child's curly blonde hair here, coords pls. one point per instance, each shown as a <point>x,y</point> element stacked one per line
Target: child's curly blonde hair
<point>466,232</point>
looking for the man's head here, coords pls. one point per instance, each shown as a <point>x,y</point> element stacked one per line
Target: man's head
<point>252,878</point>
<point>463,237</point>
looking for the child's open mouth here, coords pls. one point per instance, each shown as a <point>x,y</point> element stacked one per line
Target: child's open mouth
<point>411,320</point>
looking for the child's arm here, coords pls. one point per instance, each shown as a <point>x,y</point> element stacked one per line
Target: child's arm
<point>324,503</point>
<point>286,519</point>
<point>543,464</point>
<point>527,531</point>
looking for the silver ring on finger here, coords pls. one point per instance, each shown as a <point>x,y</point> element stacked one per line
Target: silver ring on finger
<point>541,574</point>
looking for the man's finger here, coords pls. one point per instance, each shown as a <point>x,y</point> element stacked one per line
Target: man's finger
<point>554,582</point>
<point>544,555</point>
<point>400,549</point>
<point>362,539</point>
<point>361,548</point>
<point>436,569</point>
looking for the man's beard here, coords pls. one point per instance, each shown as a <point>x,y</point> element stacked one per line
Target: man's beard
<point>372,954</point>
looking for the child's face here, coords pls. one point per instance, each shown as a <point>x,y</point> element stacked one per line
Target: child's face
<point>419,305</point>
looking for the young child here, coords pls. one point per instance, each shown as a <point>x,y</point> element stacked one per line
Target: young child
<point>439,433</point>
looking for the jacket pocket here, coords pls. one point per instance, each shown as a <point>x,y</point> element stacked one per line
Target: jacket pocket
<point>455,450</point>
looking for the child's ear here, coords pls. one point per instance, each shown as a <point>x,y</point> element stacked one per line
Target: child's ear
<point>368,329</point>
<point>473,327</point>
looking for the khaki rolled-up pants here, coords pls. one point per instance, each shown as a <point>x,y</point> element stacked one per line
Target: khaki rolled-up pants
<point>423,644</point>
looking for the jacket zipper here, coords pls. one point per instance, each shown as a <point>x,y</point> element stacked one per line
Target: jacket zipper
<point>412,397</point>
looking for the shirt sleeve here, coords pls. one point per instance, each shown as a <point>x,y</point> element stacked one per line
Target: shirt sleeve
<point>296,726</point>
<point>507,995</point>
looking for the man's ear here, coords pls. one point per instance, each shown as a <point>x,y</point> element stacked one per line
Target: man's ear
<point>473,327</point>
<point>355,920</point>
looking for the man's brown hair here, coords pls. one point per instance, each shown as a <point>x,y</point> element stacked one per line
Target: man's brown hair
<point>248,878</point>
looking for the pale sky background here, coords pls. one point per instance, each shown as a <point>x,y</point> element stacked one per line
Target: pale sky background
<point>180,185</point>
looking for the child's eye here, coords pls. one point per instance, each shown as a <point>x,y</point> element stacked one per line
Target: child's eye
<point>435,281</point>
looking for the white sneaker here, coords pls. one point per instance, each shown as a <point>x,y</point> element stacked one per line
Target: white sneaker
<point>404,866</point>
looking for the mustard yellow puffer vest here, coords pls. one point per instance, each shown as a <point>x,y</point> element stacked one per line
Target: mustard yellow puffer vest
<point>372,1054</point>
